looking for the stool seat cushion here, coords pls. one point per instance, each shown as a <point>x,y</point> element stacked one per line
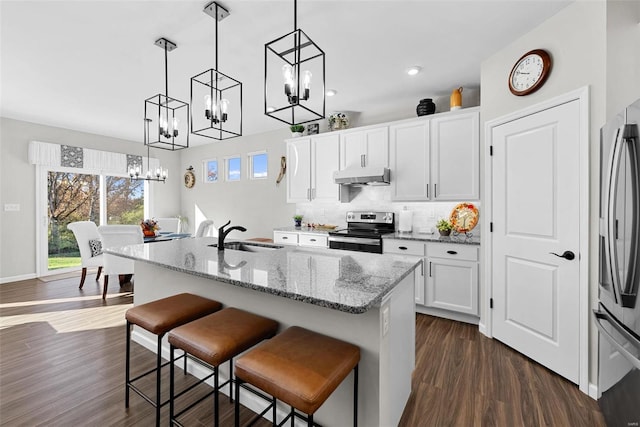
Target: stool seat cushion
<point>299,367</point>
<point>160,316</point>
<point>220,336</point>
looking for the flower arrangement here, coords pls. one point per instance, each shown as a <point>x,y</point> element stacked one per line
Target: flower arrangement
<point>149,227</point>
<point>338,121</point>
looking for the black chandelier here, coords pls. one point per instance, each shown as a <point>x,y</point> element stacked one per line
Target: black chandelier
<point>171,116</point>
<point>135,170</point>
<point>291,62</point>
<point>216,97</point>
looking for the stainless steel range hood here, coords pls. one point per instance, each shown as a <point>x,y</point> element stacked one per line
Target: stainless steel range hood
<point>374,175</point>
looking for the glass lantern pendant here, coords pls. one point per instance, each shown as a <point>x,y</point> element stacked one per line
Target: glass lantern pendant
<point>291,63</point>
<point>170,115</point>
<point>215,97</point>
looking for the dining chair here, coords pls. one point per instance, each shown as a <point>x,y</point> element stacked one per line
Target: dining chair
<point>115,236</point>
<point>88,240</point>
<point>168,225</point>
<point>205,228</point>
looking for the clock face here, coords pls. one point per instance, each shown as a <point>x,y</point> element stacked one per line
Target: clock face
<point>189,179</point>
<point>530,72</point>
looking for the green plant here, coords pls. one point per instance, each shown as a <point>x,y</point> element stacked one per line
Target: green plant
<point>297,217</point>
<point>443,225</point>
<point>297,128</point>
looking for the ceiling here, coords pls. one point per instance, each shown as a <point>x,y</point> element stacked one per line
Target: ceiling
<point>89,65</point>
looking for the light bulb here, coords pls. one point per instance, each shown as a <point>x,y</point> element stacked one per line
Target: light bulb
<point>207,101</point>
<point>224,105</point>
<point>164,174</point>
<point>176,121</point>
<point>306,79</point>
<point>287,73</point>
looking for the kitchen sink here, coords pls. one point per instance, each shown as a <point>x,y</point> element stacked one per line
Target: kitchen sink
<point>249,247</point>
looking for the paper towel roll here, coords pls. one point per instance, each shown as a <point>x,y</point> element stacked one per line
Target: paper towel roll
<point>406,219</point>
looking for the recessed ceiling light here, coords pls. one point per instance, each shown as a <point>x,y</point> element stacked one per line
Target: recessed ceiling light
<point>332,92</point>
<point>412,71</point>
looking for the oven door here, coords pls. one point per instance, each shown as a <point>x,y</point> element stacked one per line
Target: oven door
<point>618,371</point>
<point>360,244</point>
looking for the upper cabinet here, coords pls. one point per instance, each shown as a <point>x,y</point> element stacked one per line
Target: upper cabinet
<point>311,162</point>
<point>409,161</point>
<point>455,157</point>
<point>436,158</point>
<point>363,148</point>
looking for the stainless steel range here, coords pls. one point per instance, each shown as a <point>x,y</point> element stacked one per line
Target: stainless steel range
<point>364,232</point>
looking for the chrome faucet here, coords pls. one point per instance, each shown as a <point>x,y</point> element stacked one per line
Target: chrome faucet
<point>222,233</point>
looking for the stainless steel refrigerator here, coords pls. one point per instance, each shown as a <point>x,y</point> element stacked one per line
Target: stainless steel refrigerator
<point>618,313</point>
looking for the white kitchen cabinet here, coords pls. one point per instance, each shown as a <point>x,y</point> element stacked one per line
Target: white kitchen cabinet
<point>285,238</point>
<point>311,162</point>
<point>409,161</point>
<point>412,249</point>
<point>436,158</point>
<point>452,277</point>
<point>364,148</point>
<point>455,157</point>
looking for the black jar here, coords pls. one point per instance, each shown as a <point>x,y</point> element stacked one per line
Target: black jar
<point>425,107</point>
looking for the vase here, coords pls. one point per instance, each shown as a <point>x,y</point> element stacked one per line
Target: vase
<point>297,222</point>
<point>444,233</point>
<point>456,99</point>
<point>148,233</point>
<point>425,107</point>
<point>296,134</point>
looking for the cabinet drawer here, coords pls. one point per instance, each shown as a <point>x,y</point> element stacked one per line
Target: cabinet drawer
<point>315,240</point>
<point>285,238</point>
<point>405,247</point>
<point>449,251</point>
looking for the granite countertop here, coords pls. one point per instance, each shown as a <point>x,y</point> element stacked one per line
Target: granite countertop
<point>436,237</point>
<point>341,280</point>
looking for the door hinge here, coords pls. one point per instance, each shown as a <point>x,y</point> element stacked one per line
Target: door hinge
<point>490,302</point>
<point>491,227</point>
<point>491,150</point>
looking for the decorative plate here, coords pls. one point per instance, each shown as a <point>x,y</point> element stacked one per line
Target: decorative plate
<point>464,217</point>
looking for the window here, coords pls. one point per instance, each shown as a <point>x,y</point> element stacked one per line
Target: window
<point>232,168</point>
<point>258,165</point>
<point>211,170</point>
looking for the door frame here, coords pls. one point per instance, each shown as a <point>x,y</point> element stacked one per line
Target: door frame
<point>582,96</point>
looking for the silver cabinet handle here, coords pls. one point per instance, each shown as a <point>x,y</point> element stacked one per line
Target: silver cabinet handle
<point>363,161</point>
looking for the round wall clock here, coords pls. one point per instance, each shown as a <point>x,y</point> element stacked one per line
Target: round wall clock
<point>530,72</point>
<point>189,178</point>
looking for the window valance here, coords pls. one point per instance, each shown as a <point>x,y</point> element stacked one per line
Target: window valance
<point>47,154</point>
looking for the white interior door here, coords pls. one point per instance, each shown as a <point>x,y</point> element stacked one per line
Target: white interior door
<point>536,212</point>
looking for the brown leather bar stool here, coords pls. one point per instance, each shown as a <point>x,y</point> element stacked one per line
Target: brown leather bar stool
<point>300,367</point>
<point>213,340</point>
<point>159,317</point>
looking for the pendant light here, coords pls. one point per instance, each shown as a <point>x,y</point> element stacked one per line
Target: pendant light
<point>294,77</point>
<point>216,97</point>
<point>168,118</point>
<point>135,170</point>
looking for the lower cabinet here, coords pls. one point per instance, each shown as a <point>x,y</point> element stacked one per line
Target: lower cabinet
<point>450,283</point>
<point>452,277</point>
<point>295,238</point>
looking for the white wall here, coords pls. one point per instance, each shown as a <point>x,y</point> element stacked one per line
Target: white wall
<point>588,41</point>
<point>257,205</point>
<point>17,185</point>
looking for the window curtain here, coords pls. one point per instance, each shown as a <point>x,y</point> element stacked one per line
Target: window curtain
<point>107,162</point>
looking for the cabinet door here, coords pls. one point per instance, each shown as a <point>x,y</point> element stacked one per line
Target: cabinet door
<point>377,147</point>
<point>413,250</point>
<point>455,161</point>
<point>325,161</point>
<point>409,161</point>
<point>298,170</point>
<point>352,149</point>
<point>452,285</point>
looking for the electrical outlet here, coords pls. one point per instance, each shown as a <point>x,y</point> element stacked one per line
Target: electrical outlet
<point>11,207</point>
<point>385,320</point>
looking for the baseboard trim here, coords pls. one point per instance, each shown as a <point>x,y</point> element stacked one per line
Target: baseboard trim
<point>248,399</point>
<point>20,278</point>
<point>460,317</point>
<point>593,391</point>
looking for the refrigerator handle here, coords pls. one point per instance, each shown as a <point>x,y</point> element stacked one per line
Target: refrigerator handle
<point>610,212</point>
<point>602,317</point>
<point>629,292</point>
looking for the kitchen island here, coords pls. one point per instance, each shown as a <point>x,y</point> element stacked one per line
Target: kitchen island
<point>365,299</point>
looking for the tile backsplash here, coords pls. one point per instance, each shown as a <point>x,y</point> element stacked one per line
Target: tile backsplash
<point>378,198</point>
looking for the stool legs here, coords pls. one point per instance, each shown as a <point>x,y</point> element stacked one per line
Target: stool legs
<point>127,366</point>
<point>355,396</point>
<point>158,377</point>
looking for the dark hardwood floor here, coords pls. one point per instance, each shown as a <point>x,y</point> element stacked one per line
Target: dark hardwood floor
<point>62,364</point>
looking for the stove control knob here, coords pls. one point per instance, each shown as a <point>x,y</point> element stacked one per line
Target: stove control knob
<point>388,217</point>
<point>350,216</point>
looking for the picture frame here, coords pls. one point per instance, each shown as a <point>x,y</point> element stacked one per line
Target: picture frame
<point>211,171</point>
